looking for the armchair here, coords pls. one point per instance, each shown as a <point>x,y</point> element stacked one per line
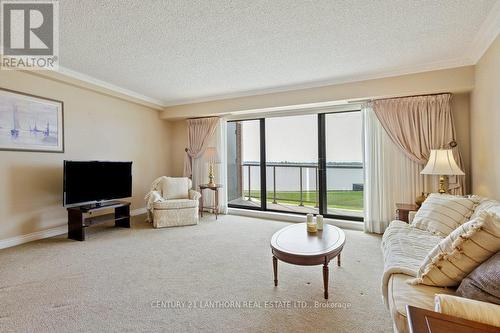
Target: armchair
<point>171,202</point>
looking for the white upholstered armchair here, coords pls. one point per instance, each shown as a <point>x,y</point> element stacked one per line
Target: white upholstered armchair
<point>171,202</point>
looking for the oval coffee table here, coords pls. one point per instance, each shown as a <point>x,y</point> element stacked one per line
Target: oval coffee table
<point>294,245</point>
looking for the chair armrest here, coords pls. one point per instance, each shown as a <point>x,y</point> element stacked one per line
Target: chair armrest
<point>151,198</point>
<point>194,195</point>
<point>411,216</point>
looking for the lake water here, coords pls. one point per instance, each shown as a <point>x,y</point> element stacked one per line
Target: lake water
<point>288,178</point>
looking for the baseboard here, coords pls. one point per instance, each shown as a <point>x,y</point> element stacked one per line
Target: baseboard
<point>18,240</point>
<point>354,225</point>
<point>138,211</point>
<point>37,235</point>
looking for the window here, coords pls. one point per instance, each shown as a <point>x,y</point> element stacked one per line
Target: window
<point>298,164</point>
<point>243,163</point>
<point>292,164</point>
<point>344,163</point>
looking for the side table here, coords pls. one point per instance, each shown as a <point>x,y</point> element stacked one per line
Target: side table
<point>214,188</point>
<point>402,211</point>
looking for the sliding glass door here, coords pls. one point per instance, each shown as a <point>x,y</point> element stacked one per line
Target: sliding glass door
<point>292,164</point>
<point>243,164</point>
<point>297,164</point>
<point>344,164</point>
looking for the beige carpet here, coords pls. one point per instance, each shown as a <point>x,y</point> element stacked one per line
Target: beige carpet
<point>118,279</point>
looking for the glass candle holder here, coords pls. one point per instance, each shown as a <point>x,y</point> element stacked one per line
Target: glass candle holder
<point>312,227</point>
<point>319,222</point>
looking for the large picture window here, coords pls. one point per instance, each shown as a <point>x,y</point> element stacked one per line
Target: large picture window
<point>298,164</point>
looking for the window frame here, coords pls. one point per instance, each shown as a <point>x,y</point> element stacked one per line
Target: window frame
<point>322,170</point>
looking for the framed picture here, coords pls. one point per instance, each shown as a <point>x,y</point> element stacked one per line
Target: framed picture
<point>30,123</point>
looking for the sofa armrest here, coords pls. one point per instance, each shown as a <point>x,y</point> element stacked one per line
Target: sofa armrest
<point>411,216</point>
<point>483,312</point>
<point>194,195</point>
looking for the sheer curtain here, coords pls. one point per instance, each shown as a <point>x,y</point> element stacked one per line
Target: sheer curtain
<point>200,168</point>
<point>390,176</point>
<point>200,132</point>
<point>221,169</point>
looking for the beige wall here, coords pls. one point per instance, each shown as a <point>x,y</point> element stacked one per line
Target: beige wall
<point>485,124</point>
<point>97,126</point>
<point>454,80</point>
<point>459,81</point>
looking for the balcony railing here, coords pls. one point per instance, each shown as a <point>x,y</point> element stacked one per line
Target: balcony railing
<point>304,195</point>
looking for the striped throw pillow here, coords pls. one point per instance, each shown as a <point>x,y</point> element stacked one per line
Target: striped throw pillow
<point>461,252</point>
<point>443,213</point>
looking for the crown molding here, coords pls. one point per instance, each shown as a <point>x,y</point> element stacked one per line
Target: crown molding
<point>106,85</point>
<point>158,104</point>
<point>486,35</point>
<point>85,81</point>
<point>407,70</point>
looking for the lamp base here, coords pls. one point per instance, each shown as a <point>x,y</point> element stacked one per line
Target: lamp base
<point>211,176</point>
<point>443,184</point>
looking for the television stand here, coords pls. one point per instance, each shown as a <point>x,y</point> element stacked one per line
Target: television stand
<point>81,217</point>
<point>96,205</point>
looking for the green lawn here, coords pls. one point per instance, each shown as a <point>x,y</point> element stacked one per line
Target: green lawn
<point>352,200</point>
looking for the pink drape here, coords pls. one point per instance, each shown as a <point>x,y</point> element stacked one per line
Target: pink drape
<point>417,125</point>
<point>199,133</point>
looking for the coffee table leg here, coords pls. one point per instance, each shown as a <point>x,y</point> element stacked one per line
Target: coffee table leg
<point>338,259</point>
<point>275,269</point>
<point>325,279</point>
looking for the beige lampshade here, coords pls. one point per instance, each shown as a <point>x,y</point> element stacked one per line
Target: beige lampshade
<point>442,162</point>
<point>211,155</point>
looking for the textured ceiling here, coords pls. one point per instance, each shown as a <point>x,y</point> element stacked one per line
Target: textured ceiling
<point>191,50</point>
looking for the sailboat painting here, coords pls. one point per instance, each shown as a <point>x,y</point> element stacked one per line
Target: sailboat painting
<point>30,123</point>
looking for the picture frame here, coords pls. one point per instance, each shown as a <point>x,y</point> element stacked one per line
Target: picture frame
<point>30,123</point>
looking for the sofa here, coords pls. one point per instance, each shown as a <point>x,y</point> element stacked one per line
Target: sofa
<point>172,203</point>
<point>404,249</point>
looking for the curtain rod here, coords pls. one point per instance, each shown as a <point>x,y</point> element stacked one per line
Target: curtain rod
<point>407,96</point>
<point>202,117</point>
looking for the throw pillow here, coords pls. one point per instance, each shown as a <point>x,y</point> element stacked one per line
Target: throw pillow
<point>460,252</point>
<point>485,204</point>
<point>443,213</point>
<point>483,283</point>
<point>175,188</point>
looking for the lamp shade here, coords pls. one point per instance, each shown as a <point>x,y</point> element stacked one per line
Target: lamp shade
<point>211,155</point>
<point>442,162</point>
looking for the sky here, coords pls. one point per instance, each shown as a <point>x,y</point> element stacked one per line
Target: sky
<point>295,138</point>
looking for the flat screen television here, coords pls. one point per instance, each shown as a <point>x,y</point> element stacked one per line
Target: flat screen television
<point>90,182</point>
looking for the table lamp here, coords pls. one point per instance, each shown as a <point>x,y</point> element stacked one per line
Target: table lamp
<point>211,157</point>
<point>441,162</point>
